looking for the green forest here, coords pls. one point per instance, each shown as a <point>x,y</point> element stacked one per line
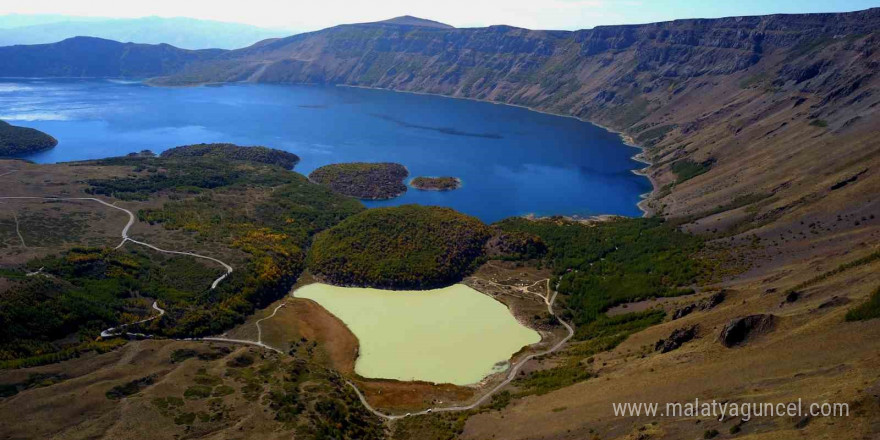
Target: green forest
<point>183,176</point>
<point>436,183</point>
<point>410,246</point>
<point>362,179</point>
<point>256,154</point>
<point>16,140</point>
<point>604,264</point>
<point>271,224</point>
<point>86,290</point>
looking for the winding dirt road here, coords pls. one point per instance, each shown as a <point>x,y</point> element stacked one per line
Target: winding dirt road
<point>117,331</point>
<point>258,342</point>
<point>126,238</point>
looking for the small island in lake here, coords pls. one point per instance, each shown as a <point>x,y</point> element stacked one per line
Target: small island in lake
<point>15,141</point>
<point>436,183</point>
<point>258,154</point>
<point>373,181</point>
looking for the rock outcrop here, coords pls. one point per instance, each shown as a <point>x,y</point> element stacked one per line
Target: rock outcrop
<point>739,330</point>
<point>676,339</point>
<point>706,304</point>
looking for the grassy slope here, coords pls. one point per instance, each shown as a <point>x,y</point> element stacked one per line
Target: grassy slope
<point>186,389</point>
<point>89,289</point>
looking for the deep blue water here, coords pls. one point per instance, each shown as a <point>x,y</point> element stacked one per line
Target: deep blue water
<point>512,161</point>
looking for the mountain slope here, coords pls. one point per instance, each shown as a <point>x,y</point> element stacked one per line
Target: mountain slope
<point>180,32</point>
<point>762,136</point>
<point>713,92</point>
<point>95,57</point>
<point>761,132</point>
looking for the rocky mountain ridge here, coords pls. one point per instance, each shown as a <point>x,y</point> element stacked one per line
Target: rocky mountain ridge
<point>725,98</point>
<point>730,96</point>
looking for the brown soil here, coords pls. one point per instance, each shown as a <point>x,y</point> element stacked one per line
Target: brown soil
<point>396,396</point>
<point>810,354</point>
<point>77,407</point>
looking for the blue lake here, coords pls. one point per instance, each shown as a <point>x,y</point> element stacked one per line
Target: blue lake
<point>512,161</point>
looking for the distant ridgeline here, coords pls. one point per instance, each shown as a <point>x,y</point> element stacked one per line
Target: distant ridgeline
<point>264,155</point>
<point>16,141</point>
<point>630,64</point>
<point>693,91</point>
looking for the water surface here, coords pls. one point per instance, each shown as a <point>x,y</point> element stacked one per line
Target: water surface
<point>451,335</point>
<point>512,161</point>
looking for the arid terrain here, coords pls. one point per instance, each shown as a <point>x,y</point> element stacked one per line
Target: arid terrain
<point>760,133</point>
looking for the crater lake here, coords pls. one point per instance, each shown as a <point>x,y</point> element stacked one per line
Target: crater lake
<point>511,161</point>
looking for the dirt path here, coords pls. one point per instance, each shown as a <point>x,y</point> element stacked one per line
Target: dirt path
<point>260,329</point>
<point>15,217</point>
<point>18,229</point>
<point>115,331</point>
<point>126,238</point>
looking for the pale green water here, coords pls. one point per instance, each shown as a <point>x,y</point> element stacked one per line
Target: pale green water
<point>451,335</point>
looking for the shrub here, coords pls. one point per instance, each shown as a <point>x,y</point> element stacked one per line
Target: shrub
<point>241,361</point>
<point>129,388</point>
<point>223,390</point>
<point>182,354</point>
<point>185,419</point>
<point>687,169</point>
<point>197,392</point>
<point>866,311</point>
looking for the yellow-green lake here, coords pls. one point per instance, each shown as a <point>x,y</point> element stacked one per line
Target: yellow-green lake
<point>451,335</point>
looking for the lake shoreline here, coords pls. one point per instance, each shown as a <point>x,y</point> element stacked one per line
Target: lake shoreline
<point>545,181</point>
<point>371,362</point>
<point>625,138</point>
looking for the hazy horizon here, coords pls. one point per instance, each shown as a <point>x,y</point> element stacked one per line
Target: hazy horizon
<point>297,17</point>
